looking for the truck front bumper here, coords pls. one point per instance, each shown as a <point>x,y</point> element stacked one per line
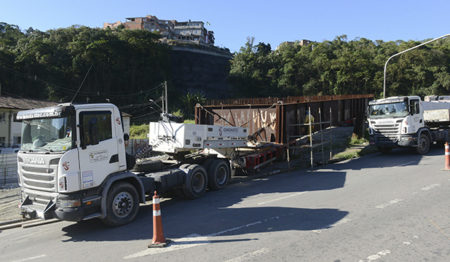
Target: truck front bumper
<point>408,141</point>
<point>401,141</point>
<point>71,207</point>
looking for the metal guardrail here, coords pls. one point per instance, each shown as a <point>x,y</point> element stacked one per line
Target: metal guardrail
<point>8,170</point>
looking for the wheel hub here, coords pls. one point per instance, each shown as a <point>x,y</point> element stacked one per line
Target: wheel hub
<point>123,204</point>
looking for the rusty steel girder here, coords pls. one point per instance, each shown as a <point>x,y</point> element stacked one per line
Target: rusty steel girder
<point>278,119</point>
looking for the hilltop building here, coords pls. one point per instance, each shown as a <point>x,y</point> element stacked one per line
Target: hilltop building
<point>189,31</point>
<point>302,42</point>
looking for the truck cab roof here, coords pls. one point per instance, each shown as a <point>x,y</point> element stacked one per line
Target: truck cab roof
<point>59,110</point>
<point>392,99</point>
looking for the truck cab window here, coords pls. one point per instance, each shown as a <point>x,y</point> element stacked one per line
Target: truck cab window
<point>414,107</point>
<point>95,127</point>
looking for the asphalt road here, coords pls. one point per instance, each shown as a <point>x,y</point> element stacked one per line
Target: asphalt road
<point>377,208</point>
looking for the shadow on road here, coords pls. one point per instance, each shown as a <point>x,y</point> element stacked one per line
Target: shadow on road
<point>249,207</point>
<point>398,157</point>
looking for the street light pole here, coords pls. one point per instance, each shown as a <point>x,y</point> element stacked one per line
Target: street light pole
<point>404,51</point>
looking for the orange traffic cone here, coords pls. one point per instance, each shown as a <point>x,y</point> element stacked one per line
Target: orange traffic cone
<point>447,156</point>
<point>158,236</point>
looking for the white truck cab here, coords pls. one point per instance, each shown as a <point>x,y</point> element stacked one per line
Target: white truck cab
<point>67,153</point>
<point>406,121</point>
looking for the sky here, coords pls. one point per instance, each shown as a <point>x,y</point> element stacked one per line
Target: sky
<point>233,21</point>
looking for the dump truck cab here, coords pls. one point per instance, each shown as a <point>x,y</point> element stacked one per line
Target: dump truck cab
<point>407,121</point>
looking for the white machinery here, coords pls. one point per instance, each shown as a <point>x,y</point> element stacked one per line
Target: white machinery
<point>170,137</point>
<point>407,121</point>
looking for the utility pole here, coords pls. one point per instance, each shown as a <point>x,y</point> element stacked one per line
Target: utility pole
<point>404,51</point>
<point>165,96</point>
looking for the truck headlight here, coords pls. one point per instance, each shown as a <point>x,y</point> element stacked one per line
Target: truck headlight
<point>63,203</point>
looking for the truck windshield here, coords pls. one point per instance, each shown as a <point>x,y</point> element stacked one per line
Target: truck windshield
<point>399,109</point>
<point>47,134</point>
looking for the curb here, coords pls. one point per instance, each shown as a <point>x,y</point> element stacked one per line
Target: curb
<point>25,223</point>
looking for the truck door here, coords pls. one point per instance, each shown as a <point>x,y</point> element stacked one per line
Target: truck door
<point>98,146</point>
<point>416,115</point>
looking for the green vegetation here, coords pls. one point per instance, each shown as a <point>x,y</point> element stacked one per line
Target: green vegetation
<point>128,67</point>
<point>138,131</point>
<point>340,67</point>
<point>355,140</point>
<point>356,147</point>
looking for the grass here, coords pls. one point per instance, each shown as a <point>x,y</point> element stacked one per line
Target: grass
<point>356,141</point>
<point>356,147</point>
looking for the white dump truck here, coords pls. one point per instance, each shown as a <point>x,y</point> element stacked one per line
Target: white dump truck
<point>407,121</point>
<point>72,163</point>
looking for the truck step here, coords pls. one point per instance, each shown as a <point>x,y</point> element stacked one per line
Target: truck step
<point>91,216</point>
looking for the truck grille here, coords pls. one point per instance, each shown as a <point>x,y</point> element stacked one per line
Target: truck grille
<point>38,178</point>
<point>388,132</point>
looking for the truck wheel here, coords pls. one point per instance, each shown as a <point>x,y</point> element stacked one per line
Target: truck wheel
<point>385,150</point>
<point>195,182</point>
<point>218,174</point>
<point>423,145</point>
<point>122,204</point>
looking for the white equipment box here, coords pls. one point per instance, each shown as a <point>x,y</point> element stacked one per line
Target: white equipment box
<point>175,137</point>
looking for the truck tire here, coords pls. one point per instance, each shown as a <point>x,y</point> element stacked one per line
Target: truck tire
<point>384,150</point>
<point>122,204</point>
<point>218,174</point>
<point>423,144</point>
<point>195,182</point>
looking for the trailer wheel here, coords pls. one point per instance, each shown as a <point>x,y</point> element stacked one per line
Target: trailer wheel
<point>423,145</point>
<point>195,182</point>
<point>122,204</point>
<point>218,174</point>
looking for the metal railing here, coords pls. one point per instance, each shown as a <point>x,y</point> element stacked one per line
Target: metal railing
<point>8,170</point>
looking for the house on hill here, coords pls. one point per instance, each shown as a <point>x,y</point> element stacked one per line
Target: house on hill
<point>10,127</point>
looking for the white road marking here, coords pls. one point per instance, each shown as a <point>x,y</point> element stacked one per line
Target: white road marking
<point>377,255</point>
<point>180,243</point>
<point>407,163</point>
<point>407,243</point>
<point>281,198</point>
<point>430,187</point>
<point>317,231</point>
<point>235,228</point>
<point>193,240</point>
<point>390,203</point>
<point>30,258</point>
<point>250,255</point>
<point>342,221</point>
